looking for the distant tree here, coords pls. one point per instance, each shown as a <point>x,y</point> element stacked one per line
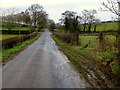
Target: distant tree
<point>76,27</point>
<point>96,22</point>
<point>42,19</point>
<point>9,16</point>
<point>38,15</point>
<point>33,11</point>
<point>71,23</point>
<point>51,25</point>
<point>88,18</point>
<point>68,24</point>
<point>84,18</point>
<point>10,19</point>
<point>67,14</point>
<point>68,18</point>
<point>24,17</point>
<point>59,26</point>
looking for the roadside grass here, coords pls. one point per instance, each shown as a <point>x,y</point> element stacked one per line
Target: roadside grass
<point>10,52</point>
<point>90,57</point>
<point>5,36</point>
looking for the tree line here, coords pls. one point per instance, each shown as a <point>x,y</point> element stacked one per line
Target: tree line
<point>34,16</point>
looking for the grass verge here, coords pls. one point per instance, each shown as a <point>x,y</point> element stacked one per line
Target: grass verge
<point>10,52</point>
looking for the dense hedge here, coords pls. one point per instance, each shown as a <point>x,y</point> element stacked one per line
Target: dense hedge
<point>15,31</point>
<point>11,42</point>
<point>64,37</point>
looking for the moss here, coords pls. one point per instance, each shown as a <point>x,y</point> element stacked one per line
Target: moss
<point>115,67</point>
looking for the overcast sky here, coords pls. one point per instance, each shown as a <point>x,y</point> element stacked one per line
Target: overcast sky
<point>55,7</point>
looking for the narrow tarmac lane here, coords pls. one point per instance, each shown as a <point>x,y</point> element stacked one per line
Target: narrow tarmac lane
<point>41,65</point>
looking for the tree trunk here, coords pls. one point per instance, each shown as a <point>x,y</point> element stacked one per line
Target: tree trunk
<point>84,28</point>
<point>95,28</point>
<point>89,27</point>
<point>71,38</point>
<point>77,38</point>
<point>101,43</point>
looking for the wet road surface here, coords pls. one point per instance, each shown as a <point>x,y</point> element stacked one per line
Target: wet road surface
<point>41,65</point>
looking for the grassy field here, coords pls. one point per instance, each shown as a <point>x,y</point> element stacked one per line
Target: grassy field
<point>5,36</point>
<point>92,41</point>
<point>106,26</point>
<point>16,28</point>
<point>90,48</point>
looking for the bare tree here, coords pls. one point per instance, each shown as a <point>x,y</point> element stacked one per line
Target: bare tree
<point>88,18</point>
<point>9,17</point>
<point>52,25</point>
<point>112,5</point>
<point>84,18</point>
<point>33,11</point>
<point>96,22</point>
<point>42,19</point>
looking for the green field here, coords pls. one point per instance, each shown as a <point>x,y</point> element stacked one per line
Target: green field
<point>5,36</point>
<point>105,26</point>
<point>92,41</point>
<point>16,28</point>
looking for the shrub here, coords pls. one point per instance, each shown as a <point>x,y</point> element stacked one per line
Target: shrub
<point>63,37</point>
<point>11,42</point>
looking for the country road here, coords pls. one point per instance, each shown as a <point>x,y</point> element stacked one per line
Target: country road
<point>41,65</point>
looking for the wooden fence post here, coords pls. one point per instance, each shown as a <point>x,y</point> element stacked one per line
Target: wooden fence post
<point>101,39</point>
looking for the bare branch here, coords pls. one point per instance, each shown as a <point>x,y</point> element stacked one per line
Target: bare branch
<point>111,5</point>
